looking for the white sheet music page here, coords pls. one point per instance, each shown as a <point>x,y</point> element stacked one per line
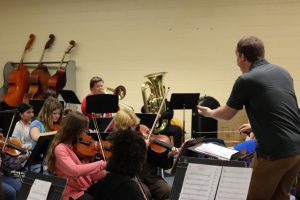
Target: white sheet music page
<point>218,151</point>
<point>39,190</point>
<point>200,182</point>
<point>234,183</point>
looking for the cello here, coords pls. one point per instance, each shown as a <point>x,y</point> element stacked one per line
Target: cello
<point>18,80</point>
<point>58,80</point>
<point>39,77</point>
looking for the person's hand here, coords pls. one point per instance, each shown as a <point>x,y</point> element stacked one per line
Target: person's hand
<point>173,152</point>
<point>205,111</point>
<point>147,142</point>
<point>245,129</point>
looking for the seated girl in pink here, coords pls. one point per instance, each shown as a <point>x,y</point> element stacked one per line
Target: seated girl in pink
<point>64,163</point>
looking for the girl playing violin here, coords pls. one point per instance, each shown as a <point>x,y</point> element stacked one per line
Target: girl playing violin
<point>153,184</point>
<point>63,162</point>
<point>49,114</point>
<point>21,130</point>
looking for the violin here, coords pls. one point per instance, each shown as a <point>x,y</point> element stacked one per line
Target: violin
<point>12,146</point>
<point>87,147</point>
<point>58,80</point>
<point>18,80</point>
<point>157,143</point>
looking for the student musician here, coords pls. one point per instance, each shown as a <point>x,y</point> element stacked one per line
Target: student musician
<point>50,113</point>
<point>63,161</point>
<point>126,163</point>
<point>96,87</point>
<point>21,130</point>
<point>153,184</point>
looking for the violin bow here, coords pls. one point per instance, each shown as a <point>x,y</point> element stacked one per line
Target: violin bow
<point>98,135</point>
<point>9,129</point>
<point>156,118</point>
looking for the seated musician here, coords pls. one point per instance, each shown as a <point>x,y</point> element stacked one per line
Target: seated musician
<point>170,130</point>
<point>126,163</point>
<point>10,187</point>
<point>49,114</point>
<point>21,130</point>
<point>153,184</point>
<point>63,161</point>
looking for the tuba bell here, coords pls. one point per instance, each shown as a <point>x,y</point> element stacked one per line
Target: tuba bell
<point>156,97</point>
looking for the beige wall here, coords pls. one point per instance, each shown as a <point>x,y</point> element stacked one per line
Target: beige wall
<point>123,40</point>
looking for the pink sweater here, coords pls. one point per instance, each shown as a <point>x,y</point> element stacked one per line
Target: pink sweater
<point>78,173</point>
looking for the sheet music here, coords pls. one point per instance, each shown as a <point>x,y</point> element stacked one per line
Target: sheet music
<point>200,182</point>
<point>39,190</point>
<point>222,153</point>
<point>234,183</point>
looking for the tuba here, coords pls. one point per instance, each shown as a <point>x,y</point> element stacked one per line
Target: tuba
<point>156,97</point>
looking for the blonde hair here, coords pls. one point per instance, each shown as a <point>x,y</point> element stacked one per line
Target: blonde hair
<point>74,124</point>
<point>125,119</point>
<point>45,114</point>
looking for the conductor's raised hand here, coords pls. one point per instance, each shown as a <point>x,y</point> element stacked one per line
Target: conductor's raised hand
<point>205,111</point>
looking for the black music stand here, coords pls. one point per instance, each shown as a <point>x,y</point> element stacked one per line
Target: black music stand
<point>56,189</point>
<point>183,101</point>
<point>102,124</point>
<point>69,96</point>
<point>8,120</point>
<point>39,152</point>
<point>102,103</point>
<point>182,167</point>
<point>146,119</point>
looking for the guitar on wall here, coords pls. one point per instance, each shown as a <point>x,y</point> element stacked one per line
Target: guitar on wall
<point>18,80</point>
<point>39,77</point>
<point>58,80</point>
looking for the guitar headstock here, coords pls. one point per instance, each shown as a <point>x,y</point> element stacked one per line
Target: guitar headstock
<point>30,41</point>
<point>72,45</point>
<point>50,41</point>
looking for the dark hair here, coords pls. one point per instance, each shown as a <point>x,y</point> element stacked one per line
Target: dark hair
<point>74,124</point>
<point>94,81</point>
<point>252,48</point>
<point>128,153</point>
<point>23,107</point>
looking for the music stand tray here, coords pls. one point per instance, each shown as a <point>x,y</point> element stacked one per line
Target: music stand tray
<point>101,122</point>
<point>69,96</point>
<point>146,119</point>
<point>56,189</point>
<point>182,167</point>
<point>184,100</point>
<point>102,103</point>
<point>39,151</point>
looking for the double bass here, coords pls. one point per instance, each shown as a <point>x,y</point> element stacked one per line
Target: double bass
<point>18,80</point>
<point>58,80</point>
<point>39,77</point>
